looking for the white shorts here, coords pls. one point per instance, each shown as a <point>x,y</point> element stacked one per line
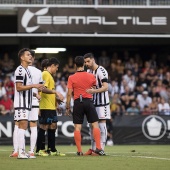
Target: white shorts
<point>33,115</point>
<point>103,112</point>
<point>21,114</point>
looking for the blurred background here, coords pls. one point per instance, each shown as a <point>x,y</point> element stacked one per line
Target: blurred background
<point>130,38</point>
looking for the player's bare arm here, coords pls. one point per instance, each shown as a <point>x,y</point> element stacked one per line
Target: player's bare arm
<point>69,95</point>
<point>37,96</point>
<point>100,90</point>
<point>59,96</point>
<point>21,87</point>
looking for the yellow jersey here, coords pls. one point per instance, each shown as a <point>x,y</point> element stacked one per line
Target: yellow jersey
<point>48,101</point>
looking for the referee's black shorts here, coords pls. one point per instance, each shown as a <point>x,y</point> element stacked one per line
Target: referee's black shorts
<point>84,108</point>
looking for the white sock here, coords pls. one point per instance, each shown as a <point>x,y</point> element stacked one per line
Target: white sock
<point>15,138</point>
<point>33,138</point>
<point>21,140</point>
<point>103,131</point>
<point>93,143</point>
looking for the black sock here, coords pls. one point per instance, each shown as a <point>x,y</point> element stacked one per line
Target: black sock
<point>49,147</point>
<point>51,139</point>
<point>40,140</point>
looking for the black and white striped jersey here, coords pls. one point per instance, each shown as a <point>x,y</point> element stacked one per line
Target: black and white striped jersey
<point>22,99</point>
<point>36,79</point>
<point>101,75</point>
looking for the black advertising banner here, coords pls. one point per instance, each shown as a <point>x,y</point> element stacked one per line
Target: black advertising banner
<point>64,133</point>
<point>94,20</point>
<point>126,130</point>
<point>151,129</point>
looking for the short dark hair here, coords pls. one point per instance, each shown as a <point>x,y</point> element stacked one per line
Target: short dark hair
<point>22,51</point>
<point>79,61</point>
<point>32,53</point>
<point>88,55</point>
<point>44,63</point>
<point>54,61</point>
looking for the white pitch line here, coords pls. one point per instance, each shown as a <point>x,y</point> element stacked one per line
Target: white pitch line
<point>144,157</point>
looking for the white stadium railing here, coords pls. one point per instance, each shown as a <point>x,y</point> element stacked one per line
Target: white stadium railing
<point>88,2</point>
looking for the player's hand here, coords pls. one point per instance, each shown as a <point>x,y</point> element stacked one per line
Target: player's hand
<point>59,110</point>
<point>38,97</point>
<point>39,86</point>
<point>59,96</point>
<point>91,91</point>
<point>68,113</point>
<point>59,101</point>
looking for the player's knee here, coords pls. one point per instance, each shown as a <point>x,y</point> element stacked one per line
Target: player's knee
<point>95,125</point>
<point>33,123</point>
<point>53,126</point>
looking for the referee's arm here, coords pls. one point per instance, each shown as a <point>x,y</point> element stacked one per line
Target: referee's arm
<point>69,95</point>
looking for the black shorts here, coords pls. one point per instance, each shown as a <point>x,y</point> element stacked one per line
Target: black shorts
<point>48,117</point>
<point>84,108</point>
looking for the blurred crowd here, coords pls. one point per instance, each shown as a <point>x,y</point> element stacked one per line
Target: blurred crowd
<point>137,86</point>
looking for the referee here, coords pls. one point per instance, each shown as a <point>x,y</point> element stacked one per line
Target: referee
<point>83,105</point>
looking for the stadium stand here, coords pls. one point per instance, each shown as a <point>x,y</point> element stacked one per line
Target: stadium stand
<point>90,2</point>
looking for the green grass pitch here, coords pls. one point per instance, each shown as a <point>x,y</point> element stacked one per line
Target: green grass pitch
<point>119,157</point>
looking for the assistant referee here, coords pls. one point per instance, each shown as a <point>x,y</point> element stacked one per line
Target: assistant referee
<point>83,104</point>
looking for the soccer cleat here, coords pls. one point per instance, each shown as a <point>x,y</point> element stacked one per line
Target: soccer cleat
<point>48,151</point>
<point>31,155</point>
<point>79,153</point>
<point>41,153</point>
<point>99,152</point>
<point>14,154</point>
<point>57,153</point>
<point>94,154</point>
<point>89,152</point>
<point>22,156</point>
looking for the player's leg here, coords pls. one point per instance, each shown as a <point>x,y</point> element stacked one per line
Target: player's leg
<point>96,134</point>
<point>78,117</point>
<point>51,137</point>
<point>41,134</point>
<point>103,114</point>
<point>15,139</point>
<point>52,116</point>
<point>92,118</point>
<point>23,124</point>
<point>41,126</point>
<point>33,117</point>
<point>77,138</point>
<point>93,142</point>
<point>97,138</point>
<point>103,131</point>
<point>22,116</point>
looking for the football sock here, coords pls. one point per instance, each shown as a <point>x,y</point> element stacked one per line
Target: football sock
<point>51,139</point>
<point>21,140</point>
<point>49,147</point>
<point>40,139</point>
<point>43,142</point>
<point>77,138</point>
<point>93,143</point>
<point>33,138</point>
<point>96,134</point>
<point>103,132</point>
<point>15,138</point>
